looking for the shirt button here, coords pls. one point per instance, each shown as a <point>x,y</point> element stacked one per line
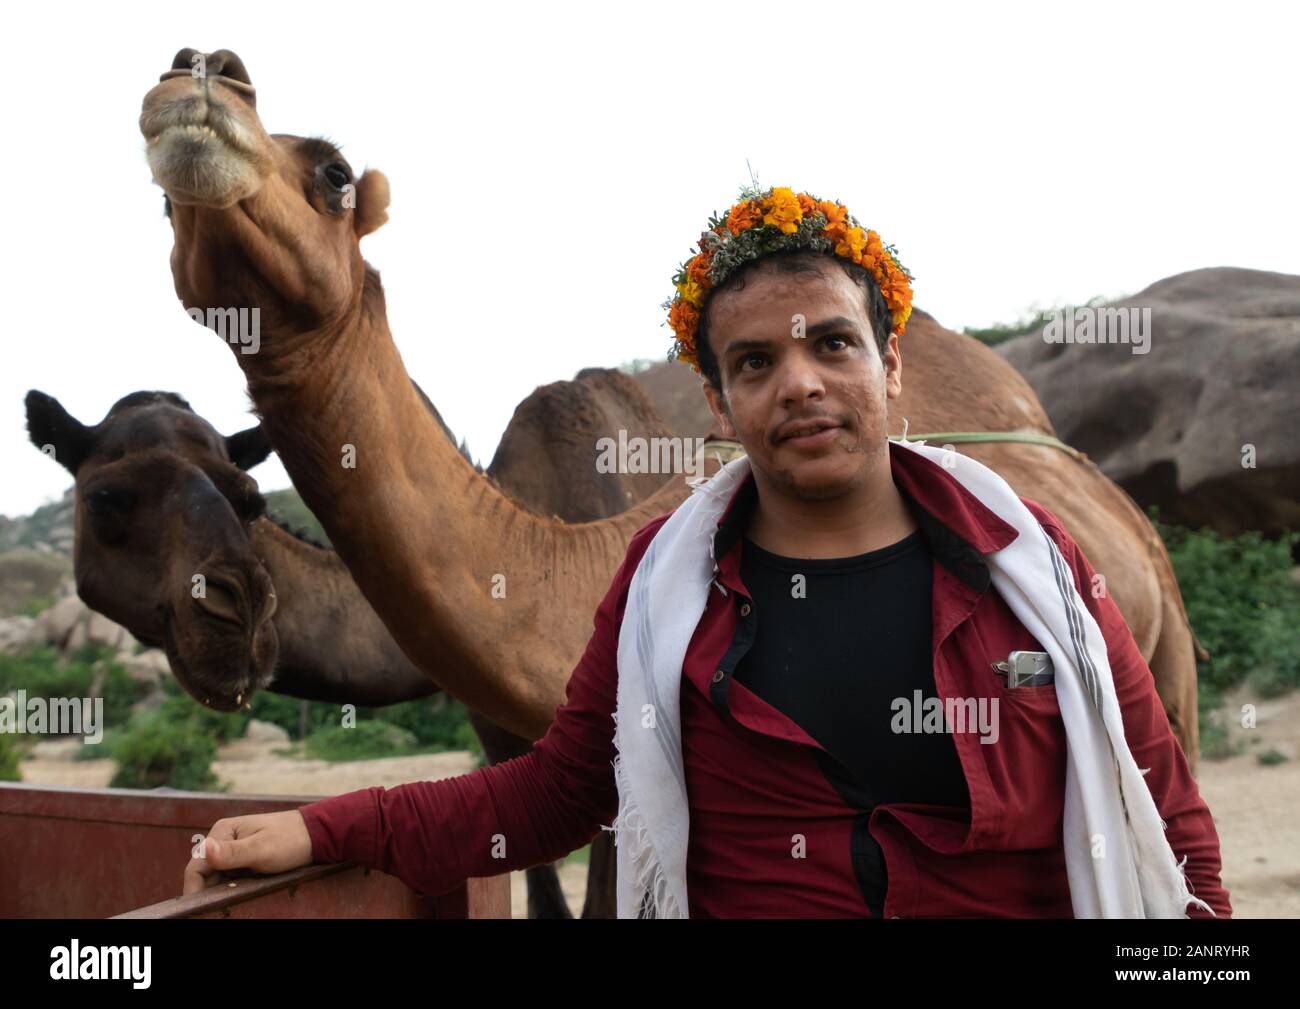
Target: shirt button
<point>744,609</point>
<point>717,677</point>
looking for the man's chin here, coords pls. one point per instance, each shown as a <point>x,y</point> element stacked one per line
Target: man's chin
<point>821,478</point>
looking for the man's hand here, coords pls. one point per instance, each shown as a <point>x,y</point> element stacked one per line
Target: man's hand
<point>266,842</point>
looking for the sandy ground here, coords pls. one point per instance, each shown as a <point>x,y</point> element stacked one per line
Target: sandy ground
<point>1256,807</point>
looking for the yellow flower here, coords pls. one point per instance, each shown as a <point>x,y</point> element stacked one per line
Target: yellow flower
<point>691,292</point>
<point>782,209</point>
<point>851,244</point>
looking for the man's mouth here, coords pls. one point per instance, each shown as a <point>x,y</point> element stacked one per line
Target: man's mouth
<point>810,433</point>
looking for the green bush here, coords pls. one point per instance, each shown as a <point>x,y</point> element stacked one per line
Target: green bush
<point>1242,603</point>
<point>9,770</point>
<point>439,722</point>
<point>42,672</point>
<point>157,752</point>
<point>180,708</point>
<point>366,740</point>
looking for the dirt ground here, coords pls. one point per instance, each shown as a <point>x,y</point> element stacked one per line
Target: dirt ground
<point>1256,807</point>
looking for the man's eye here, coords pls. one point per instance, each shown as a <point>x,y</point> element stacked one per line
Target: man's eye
<point>751,357</point>
<point>837,338</point>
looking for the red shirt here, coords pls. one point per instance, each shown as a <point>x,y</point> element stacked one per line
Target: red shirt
<point>772,833</point>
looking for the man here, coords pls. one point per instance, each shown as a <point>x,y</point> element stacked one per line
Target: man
<point>851,599</point>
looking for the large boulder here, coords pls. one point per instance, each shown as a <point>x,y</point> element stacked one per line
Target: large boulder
<point>69,624</point>
<point>61,619</point>
<point>18,634</point>
<point>30,577</point>
<point>675,391</point>
<point>1180,425</point>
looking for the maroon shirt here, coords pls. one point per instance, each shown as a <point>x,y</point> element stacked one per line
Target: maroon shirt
<point>772,830</point>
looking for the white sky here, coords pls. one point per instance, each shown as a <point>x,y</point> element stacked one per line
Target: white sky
<point>551,164</point>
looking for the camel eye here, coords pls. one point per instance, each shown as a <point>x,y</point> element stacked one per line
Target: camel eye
<point>110,513</point>
<point>110,503</point>
<point>337,175</point>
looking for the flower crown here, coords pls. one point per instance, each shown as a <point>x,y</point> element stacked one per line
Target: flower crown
<point>779,220</point>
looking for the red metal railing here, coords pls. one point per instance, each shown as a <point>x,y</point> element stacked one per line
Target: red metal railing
<point>102,852</point>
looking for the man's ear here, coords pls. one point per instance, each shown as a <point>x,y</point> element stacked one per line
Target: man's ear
<point>56,432</point>
<point>247,448</point>
<point>372,203</point>
<point>893,365</point>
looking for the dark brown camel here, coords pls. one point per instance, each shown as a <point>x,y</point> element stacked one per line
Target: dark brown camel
<point>331,645</point>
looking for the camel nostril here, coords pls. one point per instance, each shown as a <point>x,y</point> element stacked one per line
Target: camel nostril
<point>221,601</point>
<point>228,64</point>
<point>184,59</point>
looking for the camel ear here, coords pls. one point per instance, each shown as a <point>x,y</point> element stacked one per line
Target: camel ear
<point>372,203</point>
<point>247,448</point>
<point>56,432</point>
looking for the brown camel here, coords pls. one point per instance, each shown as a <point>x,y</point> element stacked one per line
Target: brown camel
<point>273,224</point>
<point>1114,533</point>
<point>331,645</point>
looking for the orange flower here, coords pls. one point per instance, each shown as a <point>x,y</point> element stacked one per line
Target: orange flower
<point>683,317</point>
<point>782,210</point>
<point>698,270</point>
<point>743,216</point>
<point>852,243</point>
<point>835,213</point>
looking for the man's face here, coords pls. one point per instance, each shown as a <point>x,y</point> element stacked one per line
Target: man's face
<point>774,380</point>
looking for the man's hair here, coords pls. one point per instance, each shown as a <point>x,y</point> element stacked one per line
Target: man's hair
<point>795,261</point>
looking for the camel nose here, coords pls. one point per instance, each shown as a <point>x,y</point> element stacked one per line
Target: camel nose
<point>239,597</point>
<point>223,63</point>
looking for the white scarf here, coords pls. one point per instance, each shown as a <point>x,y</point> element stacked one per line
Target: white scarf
<point>1118,862</point>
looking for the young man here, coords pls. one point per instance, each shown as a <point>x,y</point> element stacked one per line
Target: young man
<point>794,772</point>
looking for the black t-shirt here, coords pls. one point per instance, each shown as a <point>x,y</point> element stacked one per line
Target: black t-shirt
<point>835,661</point>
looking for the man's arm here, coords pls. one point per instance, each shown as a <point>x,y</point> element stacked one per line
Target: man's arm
<point>532,809</point>
<point>1189,826</point>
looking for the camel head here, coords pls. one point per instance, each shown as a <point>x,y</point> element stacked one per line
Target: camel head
<point>261,221</point>
<point>163,510</point>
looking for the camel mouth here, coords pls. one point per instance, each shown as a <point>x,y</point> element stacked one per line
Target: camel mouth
<point>218,700</point>
<point>202,151</point>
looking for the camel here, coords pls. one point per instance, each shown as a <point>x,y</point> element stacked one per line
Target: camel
<point>332,647</point>
<point>494,601</point>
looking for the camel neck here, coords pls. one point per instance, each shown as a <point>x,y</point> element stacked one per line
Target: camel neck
<point>482,594</point>
<point>332,645</point>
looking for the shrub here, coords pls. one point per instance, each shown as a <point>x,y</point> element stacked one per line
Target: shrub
<point>1271,757</point>
<point>180,708</point>
<point>366,740</point>
<point>42,672</point>
<point>1242,603</point>
<point>160,752</point>
<point>9,770</point>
